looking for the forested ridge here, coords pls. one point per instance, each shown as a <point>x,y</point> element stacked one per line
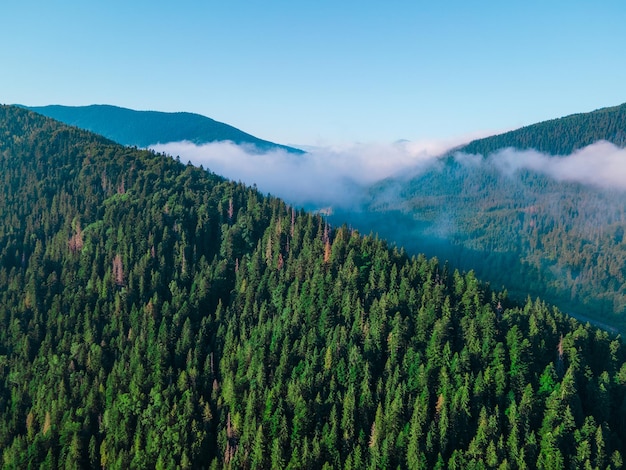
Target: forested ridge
<point>154,315</point>
<point>559,136</point>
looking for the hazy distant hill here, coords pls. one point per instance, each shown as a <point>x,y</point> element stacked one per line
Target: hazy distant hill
<point>559,136</point>
<point>145,128</point>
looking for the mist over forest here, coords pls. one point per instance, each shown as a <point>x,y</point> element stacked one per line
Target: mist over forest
<point>536,210</point>
<point>343,176</point>
<point>533,223</point>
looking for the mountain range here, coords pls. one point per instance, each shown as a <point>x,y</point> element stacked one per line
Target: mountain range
<point>146,128</point>
<point>156,315</point>
<point>525,231</point>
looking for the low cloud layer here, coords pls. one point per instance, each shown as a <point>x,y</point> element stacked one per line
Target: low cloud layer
<point>339,175</point>
<point>601,164</point>
<point>323,176</point>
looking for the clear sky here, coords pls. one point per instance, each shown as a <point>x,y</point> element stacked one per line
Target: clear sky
<point>321,72</point>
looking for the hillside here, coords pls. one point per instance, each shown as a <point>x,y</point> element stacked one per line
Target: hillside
<point>155,315</point>
<point>529,233</point>
<point>145,128</point>
<point>559,136</point>
<point>519,228</point>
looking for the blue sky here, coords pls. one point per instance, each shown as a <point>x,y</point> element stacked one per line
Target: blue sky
<point>321,72</point>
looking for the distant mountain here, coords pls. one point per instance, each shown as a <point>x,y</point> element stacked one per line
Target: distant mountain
<point>145,128</point>
<point>559,136</point>
<point>155,315</point>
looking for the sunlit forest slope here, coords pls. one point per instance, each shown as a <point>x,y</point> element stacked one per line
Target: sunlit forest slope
<point>155,315</point>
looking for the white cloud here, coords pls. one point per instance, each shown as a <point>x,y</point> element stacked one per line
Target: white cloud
<point>340,175</point>
<point>334,175</point>
<point>601,164</point>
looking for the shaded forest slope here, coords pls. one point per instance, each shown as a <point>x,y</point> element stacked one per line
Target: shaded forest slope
<point>522,229</point>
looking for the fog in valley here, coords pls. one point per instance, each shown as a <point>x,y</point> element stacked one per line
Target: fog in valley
<point>339,176</point>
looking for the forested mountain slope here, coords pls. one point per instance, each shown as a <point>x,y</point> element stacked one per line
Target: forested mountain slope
<point>145,128</point>
<point>154,315</point>
<point>559,136</point>
<point>530,233</point>
<point>517,226</point>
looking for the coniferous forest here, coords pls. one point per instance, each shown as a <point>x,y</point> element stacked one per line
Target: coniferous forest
<point>155,315</point>
<point>562,241</point>
<point>533,233</point>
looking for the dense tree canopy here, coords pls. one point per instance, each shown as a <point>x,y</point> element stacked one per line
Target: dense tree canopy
<point>154,315</point>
